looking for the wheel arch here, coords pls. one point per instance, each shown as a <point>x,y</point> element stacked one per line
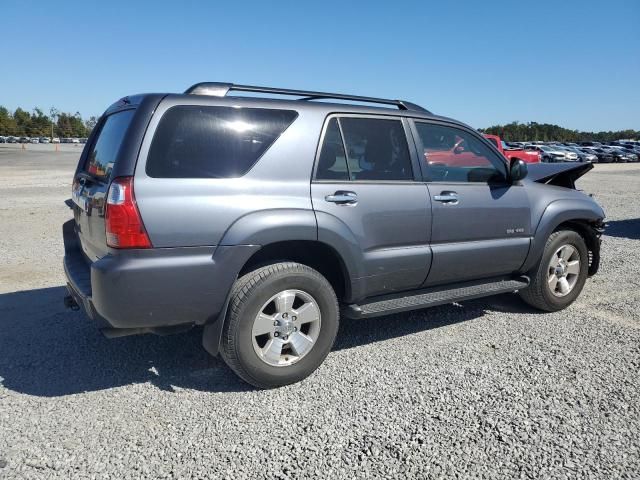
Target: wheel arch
<point>315,254</point>
<point>583,216</point>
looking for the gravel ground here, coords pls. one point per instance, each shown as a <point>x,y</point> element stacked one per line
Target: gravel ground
<point>486,389</point>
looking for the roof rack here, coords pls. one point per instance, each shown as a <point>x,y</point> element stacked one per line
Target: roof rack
<point>218,89</point>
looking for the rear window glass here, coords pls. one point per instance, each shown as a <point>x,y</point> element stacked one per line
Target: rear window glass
<point>213,142</point>
<point>104,150</point>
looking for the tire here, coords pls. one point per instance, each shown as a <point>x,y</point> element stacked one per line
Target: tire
<point>267,292</point>
<point>540,292</point>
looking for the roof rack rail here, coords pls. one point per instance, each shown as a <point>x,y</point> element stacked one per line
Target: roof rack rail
<point>219,89</point>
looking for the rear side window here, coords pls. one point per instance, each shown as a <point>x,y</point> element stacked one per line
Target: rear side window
<point>213,142</point>
<point>332,164</point>
<point>104,150</point>
<point>377,149</point>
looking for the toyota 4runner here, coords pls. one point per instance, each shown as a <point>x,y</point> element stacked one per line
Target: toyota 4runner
<point>266,218</point>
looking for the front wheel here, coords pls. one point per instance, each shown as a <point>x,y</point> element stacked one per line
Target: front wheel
<point>281,324</point>
<point>561,273</point>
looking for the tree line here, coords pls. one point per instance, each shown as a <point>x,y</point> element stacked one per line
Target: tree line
<point>546,132</point>
<point>36,123</point>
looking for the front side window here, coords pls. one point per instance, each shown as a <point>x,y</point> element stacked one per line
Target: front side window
<point>213,142</point>
<point>454,155</point>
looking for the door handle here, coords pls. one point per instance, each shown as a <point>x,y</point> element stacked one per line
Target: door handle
<point>450,198</point>
<point>343,198</point>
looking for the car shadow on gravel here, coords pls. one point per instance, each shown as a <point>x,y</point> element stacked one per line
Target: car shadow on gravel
<point>46,350</point>
<point>624,228</point>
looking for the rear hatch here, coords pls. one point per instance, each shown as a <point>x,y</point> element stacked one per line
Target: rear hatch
<point>91,181</point>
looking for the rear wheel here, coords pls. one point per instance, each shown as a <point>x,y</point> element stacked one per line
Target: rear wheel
<point>281,325</point>
<point>561,273</point>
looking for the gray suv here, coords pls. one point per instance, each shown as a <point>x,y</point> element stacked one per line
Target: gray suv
<point>264,219</point>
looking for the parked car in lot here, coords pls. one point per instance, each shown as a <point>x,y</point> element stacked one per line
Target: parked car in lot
<point>12,139</point>
<point>548,153</point>
<point>633,149</point>
<point>3,140</point>
<point>604,156</point>
<point>265,220</point>
<point>618,155</point>
<point>528,156</point>
<point>626,154</point>
<point>34,140</point>
<point>45,140</point>
<point>582,155</point>
<point>24,140</point>
<point>55,140</point>
<point>569,155</point>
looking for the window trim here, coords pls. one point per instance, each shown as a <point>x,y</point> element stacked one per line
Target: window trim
<point>229,107</point>
<point>424,167</point>
<point>417,177</point>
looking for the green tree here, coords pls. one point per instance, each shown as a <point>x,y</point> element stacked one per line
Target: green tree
<point>23,122</point>
<point>90,123</point>
<point>532,131</point>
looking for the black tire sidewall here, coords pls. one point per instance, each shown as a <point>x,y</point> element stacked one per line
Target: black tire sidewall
<point>565,237</point>
<point>316,286</point>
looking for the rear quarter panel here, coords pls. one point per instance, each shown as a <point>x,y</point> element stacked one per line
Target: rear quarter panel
<point>195,212</point>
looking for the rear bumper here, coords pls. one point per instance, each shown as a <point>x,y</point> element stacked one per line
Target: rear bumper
<point>154,288</point>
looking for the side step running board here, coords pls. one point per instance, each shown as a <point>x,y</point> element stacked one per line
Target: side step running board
<point>389,304</point>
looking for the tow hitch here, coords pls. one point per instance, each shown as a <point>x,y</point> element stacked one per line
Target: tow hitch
<point>70,302</point>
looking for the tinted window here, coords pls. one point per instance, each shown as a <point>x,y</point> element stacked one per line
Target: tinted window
<point>104,150</point>
<point>213,142</point>
<point>377,149</point>
<point>454,155</point>
<point>332,163</point>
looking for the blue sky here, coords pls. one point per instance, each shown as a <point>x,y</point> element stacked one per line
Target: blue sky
<point>573,63</point>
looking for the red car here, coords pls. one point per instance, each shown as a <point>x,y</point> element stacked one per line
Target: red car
<point>511,153</point>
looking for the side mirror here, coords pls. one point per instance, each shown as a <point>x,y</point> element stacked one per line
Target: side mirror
<point>517,170</point>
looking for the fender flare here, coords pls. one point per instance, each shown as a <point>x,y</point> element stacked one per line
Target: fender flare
<point>270,226</point>
<point>555,214</point>
<point>280,225</point>
<point>336,234</point>
<point>277,225</point>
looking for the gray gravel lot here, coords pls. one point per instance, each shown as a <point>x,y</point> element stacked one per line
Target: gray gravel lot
<point>486,389</point>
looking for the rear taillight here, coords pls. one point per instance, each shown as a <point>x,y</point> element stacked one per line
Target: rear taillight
<point>123,222</point>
